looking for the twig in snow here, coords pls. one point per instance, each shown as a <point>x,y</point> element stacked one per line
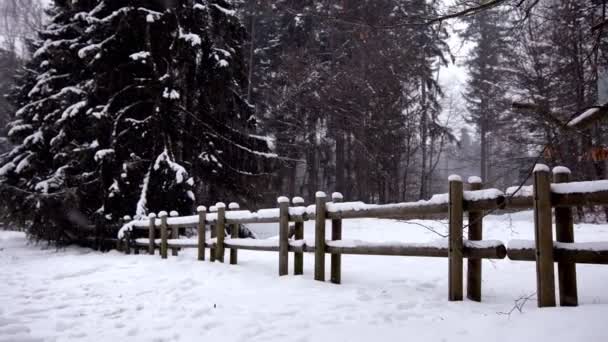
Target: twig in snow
<point>519,305</point>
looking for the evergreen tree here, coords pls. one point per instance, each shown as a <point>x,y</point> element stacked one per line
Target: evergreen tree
<point>8,65</point>
<point>132,107</point>
<point>342,98</point>
<point>487,88</point>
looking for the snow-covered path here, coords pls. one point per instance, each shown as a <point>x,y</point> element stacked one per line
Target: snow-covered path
<point>77,294</point>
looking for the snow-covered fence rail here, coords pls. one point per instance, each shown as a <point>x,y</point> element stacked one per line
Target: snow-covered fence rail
<point>542,197</point>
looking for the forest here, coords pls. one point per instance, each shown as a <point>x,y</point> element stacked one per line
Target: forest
<point>128,107</point>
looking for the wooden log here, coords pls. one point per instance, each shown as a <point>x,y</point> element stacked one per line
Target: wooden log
<point>283,235</point>
<point>126,243</point>
<point>163,234</point>
<point>298,257</point>
<point>543,235</point>
<point>234,233</point>
<point>519,202</point>
<point>562,254</point>
<point>486,204</point>
<point>181,244</point>
<point>118,245</point>
<point>127,236</point>
<point>236,244</point>
<point>564,232</point>
<point>320,212</point>
<point>336,234</point>
<point>475,233</point>
<point>151,233</point>
<point>472,249</point>
<point>455,244</point>
<point>253,220</point>
<point>212,227</point>
<point>579,199</point>
<point>174,233</point>
<point>220,228</point>
<point>391,211</point>
<point>202,213</point>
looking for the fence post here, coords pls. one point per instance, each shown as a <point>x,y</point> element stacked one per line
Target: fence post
<point>455,254</point>
<point>220,228</point>
<point>163,234</point>
<point>564,231</point>
<point>336,234</point>
<point>202,212</point>
<point>298,258</point>
<point>283,235</point>
<point>543,235</point>
<point>320,200</point>
<point>212,250</point>
<point>475,234</point>
<point>151,233</point>
<point>126,244</point>
<point>174,233</point>
<point>234,234</point>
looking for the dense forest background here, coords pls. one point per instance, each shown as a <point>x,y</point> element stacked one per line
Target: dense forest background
<point>248,99</point>
<point>350,90</point>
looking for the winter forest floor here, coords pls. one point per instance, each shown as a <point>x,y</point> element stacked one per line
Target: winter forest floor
<point>76,294</point>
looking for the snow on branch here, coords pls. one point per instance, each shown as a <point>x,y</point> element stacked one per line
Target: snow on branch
<point>180,172</point>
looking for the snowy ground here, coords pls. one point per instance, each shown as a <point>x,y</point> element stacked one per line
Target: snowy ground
<point>76,294</point>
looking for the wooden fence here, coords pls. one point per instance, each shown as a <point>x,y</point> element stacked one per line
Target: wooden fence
<point>542,196</point>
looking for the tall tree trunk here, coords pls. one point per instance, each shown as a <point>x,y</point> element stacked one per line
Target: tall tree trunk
<point>349,168</point>
<point>339,185</point>
<point>311,158</point>
<point>423,139</point>
<point>483,129</point>
<point>251,49</point>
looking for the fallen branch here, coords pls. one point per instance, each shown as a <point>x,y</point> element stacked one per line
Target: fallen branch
<point>519,305</point>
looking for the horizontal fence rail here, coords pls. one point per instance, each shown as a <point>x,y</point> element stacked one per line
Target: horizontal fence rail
<point>489,249</point>
<point>163,232</point>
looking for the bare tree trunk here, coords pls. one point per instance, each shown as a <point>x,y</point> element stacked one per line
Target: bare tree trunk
<point>483,129</point>
<point>348,171</point>
<point>311,158</point>
<point>251,50</point>
<point>423,140</point>
<point>339,186</point>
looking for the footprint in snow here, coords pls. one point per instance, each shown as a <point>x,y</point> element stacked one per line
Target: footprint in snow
<point>406,305</point>
<point>14,330</point>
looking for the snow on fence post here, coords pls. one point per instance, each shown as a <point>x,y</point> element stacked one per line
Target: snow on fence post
<point>320,201</point>
<point>474,268</point>
<point>234,234</point>
<point>455,244</point>
<point>298,257</point>
<point>127,236</point>
<point>220,228</point>
<point>163,234</point>
<point>174,233</point>
<point>213,234</point>
<point>151,233</point>
<point>564,232</point>
<point>283,235</point>
<point>543,236</point>
<point>336,234</point>
<point>202,213</point>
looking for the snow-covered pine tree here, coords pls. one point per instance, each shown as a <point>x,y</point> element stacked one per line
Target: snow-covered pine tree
<point>8,64</point>
<point>134,107</point>
<point>487,91</point>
